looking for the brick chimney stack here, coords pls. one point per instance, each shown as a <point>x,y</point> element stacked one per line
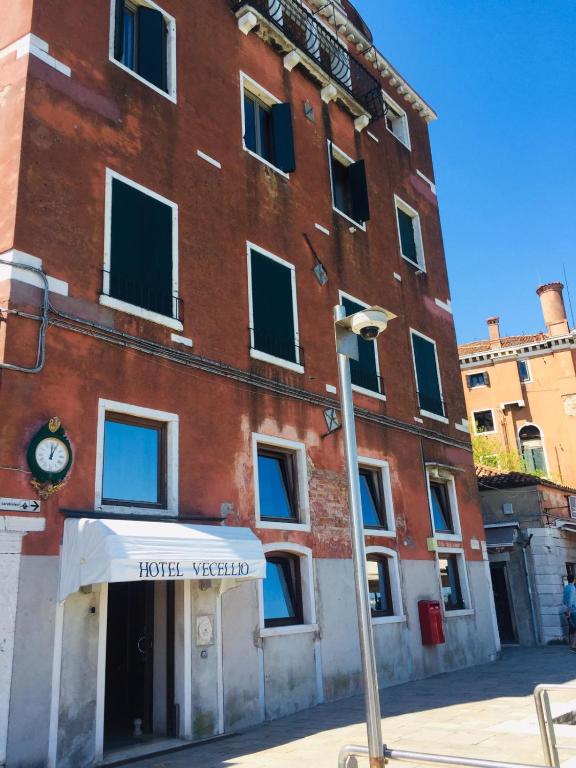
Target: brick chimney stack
<point>494,332</point>
<point>553,308</point>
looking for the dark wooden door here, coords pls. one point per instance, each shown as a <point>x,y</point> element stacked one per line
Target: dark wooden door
<point>506,627</point>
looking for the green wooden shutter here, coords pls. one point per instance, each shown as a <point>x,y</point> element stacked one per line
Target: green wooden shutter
<point>272,308</point>
<point>427,379</point>
<point>141,250</point>
<point>119,30</point>
<point>363,371</point>
<point>283,137</point>
<point>407,236</point>
<point>152,47</point>
<point>359,191</point>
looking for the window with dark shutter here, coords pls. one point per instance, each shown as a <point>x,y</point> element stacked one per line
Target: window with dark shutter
<point>141,41</point>
<point>427,377</point>
<point>364,371</point>
<point>407,236</point>
<point>273,330</point>
<point>141,250</point>
<point>359,191</point>
<point>349,188</point>
<point>268,132</point>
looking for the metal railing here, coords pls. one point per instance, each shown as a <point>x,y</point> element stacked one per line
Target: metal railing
<point>367,379</point>
<point>550,744</point>
<point>310,36</point>
<point>274,346</point>
<point>140,294</point>
<point>432,404</point>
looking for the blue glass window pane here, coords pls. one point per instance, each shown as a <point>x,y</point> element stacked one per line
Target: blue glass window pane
<point>273,493</point>
<point>129,37</point>
<point>131,463</point>
<point>450,579</point>
<point>379,587</point>
<point>278,602</point>
<point>440,507</point>
<point>369,509</point>
<point>523,370</point>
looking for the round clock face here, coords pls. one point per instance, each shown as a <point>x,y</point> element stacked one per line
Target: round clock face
<point>51,454</point>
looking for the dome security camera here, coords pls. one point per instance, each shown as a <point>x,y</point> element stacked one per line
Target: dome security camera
<point>369,323</point>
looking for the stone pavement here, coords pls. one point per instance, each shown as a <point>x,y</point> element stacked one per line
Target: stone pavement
<point>485,711</point>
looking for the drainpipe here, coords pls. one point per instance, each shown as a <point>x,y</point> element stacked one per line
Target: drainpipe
<point>530,592</point>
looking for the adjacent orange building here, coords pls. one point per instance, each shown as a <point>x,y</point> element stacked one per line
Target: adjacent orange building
<point>521,390</point>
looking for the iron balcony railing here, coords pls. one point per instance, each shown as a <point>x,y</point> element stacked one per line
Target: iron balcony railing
<point>434,405</point>
<point>284,349</point>
<point>310,36</point>
<point>140,294</point>
<point>366,378</point>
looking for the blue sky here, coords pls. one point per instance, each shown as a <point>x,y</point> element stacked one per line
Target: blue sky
<point>501,74</point>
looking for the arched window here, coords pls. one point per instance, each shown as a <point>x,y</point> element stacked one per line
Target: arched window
<point>532,448</point>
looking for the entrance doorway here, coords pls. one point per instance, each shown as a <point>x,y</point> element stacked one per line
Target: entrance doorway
<point>501,588</point>
<point>139,696</point>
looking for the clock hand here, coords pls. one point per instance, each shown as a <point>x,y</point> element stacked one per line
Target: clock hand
<point>52,452</point>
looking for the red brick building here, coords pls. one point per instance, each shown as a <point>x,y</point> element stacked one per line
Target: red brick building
<point>187,190</point>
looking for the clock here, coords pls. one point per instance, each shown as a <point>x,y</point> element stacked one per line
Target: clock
<point>50,453</point>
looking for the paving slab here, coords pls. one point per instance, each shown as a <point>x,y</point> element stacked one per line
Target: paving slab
<point>483,712</point>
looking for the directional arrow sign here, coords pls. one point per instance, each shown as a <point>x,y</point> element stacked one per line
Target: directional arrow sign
<point>19,505</point>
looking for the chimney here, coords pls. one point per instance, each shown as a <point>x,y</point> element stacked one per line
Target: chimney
<point>553,308</point>
<point>494,332</point>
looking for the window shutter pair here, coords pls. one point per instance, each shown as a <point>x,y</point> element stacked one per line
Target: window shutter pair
<point>427,376</point>
<point>151,43</point>
<point>407,236</point>
<point>283,137</point>
<point>272,307</point>
<point>359,191</point>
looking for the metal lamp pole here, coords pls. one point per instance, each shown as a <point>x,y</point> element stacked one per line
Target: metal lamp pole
<point>347,346</point>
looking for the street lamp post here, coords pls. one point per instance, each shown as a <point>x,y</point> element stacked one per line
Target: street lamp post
<point>367,324</point>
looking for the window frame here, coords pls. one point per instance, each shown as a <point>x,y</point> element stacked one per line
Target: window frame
<point>295,588</point>
<point>345,160</point>
<point>525,362</point>
<point>437,474</point>
<point>382,468</point>
<point>420,265</point>
<point>395,585</point>
<point>490,431</point>
<point>309,617</point>
<point>428,414</point>
<point>402,115</point>
<point>123,306</point>
<point>171,68</point>
<point>260,93</point>
<point>170,422</point>
<point>257,354</point>
<point>519,441</point>
<point>355,387</point>
<point>298,451</point>
<point>468,609</point>
<point>484,374</point>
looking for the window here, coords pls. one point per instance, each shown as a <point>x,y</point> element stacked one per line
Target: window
<point>349,187</point>
<point>396,121</point>
<point>429,389</point>
<point>532,448</point>
<point>282,590</point>
<point>523,371</point>
<point>144,40</point>
<point>277,491</point>
<point>376,496</point>
<point>572,506</point>
<point>483,422</point>
<point>410,234</point>
<point>141,252</point>
<point>273,312</point>
<point>137,459</point>
<point>450,581</point>
<point>267,127</point>
<point>474,380</point>
<point>280,483</point>
<point>379,587</point>
<point>443,502</point>
<point>364,372</point>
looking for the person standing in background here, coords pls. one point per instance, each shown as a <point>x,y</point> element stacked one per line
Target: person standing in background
<point>569,599</point>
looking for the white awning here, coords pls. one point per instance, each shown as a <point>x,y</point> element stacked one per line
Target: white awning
<point>97,551</point>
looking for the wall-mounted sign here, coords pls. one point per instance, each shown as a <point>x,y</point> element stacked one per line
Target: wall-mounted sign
<point>19,505</point>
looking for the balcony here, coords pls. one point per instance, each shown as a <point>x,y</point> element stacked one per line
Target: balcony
<point>305,40</point>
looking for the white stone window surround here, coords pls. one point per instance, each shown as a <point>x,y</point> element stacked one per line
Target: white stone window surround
<point>256,353</point>
<point>355,387</point>
<point>341,157</point>
<point>477,386</point>
<point>249,85</point>
<point>428,414</point>
<point>484,410</point>
<point>404,139</point>
<point>298,451</point>
<point>123,306</point>
<point>419,243</point>
<point>464,582</point>
<point>171,420</point>
<point>383,468</point>
<point>433,472</point>
<point>395,585</point>
<point>310,624</point>
<point>526,362</point>
<point>170,49</point>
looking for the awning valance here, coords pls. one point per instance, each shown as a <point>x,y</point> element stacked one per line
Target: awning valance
<point>96,551</point>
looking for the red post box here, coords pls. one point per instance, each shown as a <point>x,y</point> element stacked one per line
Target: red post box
<point>431,625</point>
